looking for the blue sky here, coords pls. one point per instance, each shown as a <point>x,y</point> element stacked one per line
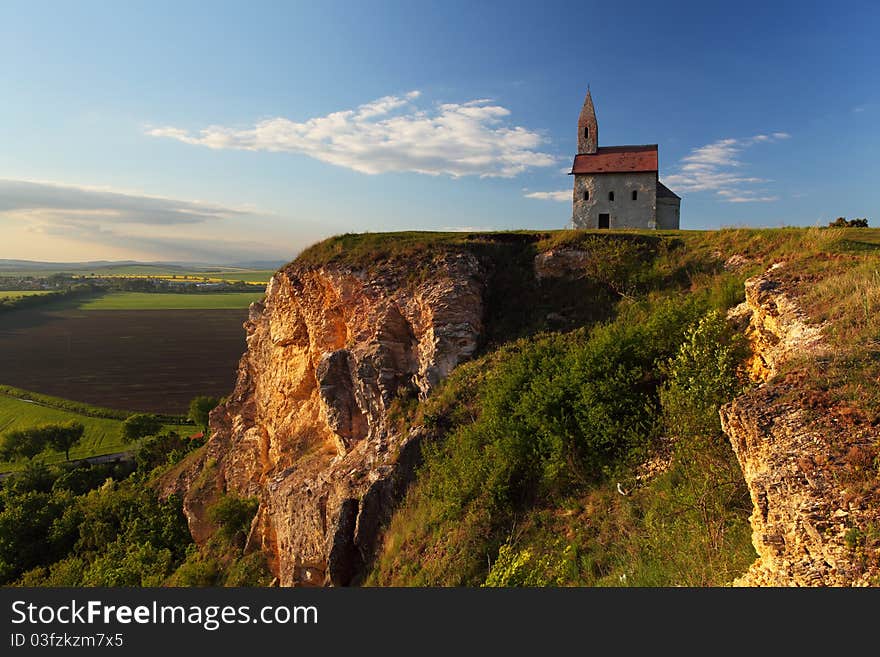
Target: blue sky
<point>226,132</point>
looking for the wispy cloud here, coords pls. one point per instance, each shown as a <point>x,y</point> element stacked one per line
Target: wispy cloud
<point>55,202</point>
<point>467,229</point>
<point>718,167</point>
<point>563,196</point>
<point>168,246</point>
<point>392,134</point>
<point>55,216</point>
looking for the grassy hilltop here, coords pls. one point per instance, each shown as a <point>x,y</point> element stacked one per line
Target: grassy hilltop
<point>548,441</point>
<point>580,446</point>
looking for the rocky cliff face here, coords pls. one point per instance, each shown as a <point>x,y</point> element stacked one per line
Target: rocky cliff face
<point>332,349</point>
<point>800,463</point>
<point>329,352</point>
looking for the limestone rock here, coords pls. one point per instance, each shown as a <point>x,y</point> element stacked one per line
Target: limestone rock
<point>803,511</point>
<point>306,428</point>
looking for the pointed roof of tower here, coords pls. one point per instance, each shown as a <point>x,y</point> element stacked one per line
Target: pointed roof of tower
<point>588,111</point>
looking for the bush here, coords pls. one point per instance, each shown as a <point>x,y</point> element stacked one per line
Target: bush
<point>553,567</point>
<point>200,408</point>
<point>140,425</point>
<point>161,450</point>
<point>543,419</point>
<point>704,374</point>
<point>250,570</point>
<point>842,222</point>
<point>233,515</point>
<point>197,572</point>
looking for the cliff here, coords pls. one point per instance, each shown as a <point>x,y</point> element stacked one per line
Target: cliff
<point>340,347</point>
<point>804,458</point>
<point>306,429</point>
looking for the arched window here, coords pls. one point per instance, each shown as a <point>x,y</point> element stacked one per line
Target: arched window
<point>586,132</point>
<point>586,194</point>
<point>610,196</point>
<point>635,194</point>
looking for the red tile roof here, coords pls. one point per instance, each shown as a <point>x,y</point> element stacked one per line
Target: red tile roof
<point>617,159</point>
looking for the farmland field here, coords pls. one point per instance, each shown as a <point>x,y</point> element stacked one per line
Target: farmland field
<point>144,269</point>
<point>101,436</point>
<point>171,301</point>
<point>140,360</point>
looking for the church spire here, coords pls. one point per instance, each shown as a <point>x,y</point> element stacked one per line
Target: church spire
<point>588,129</point>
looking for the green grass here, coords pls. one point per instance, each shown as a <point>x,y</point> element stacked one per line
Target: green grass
<point>154,271</point>
<point>102,435</point>
<point>255,276</point>
<point>494,488</point>
<point>11,294</point>
<point>171,301</point>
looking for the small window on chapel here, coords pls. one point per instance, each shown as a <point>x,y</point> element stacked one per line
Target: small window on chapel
<point>586,132</point>
<point>586,194</point>
<point>635,194</point>
<point>610,196</point>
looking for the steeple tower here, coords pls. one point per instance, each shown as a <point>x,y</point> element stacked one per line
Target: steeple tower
<point>588,129</point>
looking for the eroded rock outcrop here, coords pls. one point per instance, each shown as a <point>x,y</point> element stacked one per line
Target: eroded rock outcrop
<point>797,461</point>
<point>306,429</point>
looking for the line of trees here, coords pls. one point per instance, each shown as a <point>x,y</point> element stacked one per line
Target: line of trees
<point>30,442</point>
<point>33,441</point>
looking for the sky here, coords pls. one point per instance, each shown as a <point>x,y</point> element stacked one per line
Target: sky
<point>239,132</point>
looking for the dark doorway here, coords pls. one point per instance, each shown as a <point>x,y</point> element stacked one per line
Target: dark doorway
<point>604,220</point>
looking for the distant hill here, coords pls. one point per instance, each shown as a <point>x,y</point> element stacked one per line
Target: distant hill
<point>7,265</point>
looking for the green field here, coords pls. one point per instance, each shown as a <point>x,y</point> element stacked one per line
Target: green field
<point>102,435</point>
<point>155,271</point>
<point>171,301</point>
<point>11,294</point>
<point>254,276</point>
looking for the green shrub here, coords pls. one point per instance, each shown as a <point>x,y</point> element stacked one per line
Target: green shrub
<point>162,449</point>
<point>249,570</point>
<point>550,416</point>
<point>200,571</point>
<point>704,374</point>
<point>233,515</point>
<point>525,567</point>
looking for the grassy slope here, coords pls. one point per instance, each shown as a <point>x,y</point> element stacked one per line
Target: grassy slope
<point>102,435</point>
<point>689,525</point>
<point>171,301</point>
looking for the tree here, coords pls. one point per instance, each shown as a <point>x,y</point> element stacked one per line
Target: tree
<point>64,436</point>
<point>842,222</point>
<point>161,449</point>
<point>140,425</point>
<point>200,408</point>
<point>22,443</point>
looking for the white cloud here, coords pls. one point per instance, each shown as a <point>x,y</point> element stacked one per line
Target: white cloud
<point>563,195</point>
<point>751,199</point>
<point>392,134</point>
<point>714,168</point>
